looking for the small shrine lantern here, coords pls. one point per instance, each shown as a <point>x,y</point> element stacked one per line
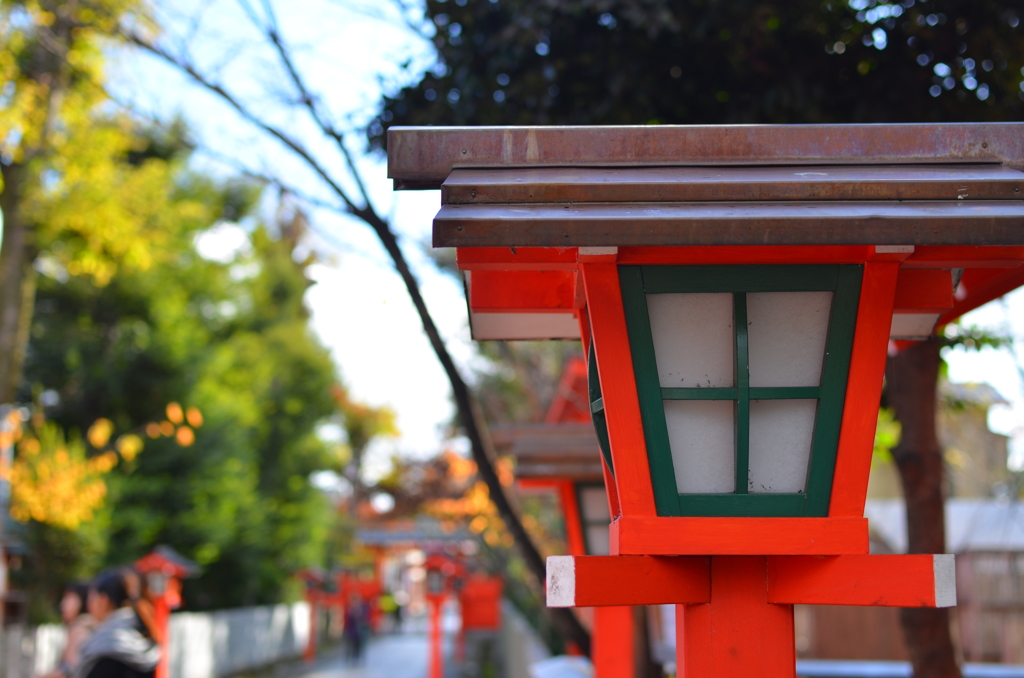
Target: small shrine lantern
<point>164,569</point>
<point>736,289</point>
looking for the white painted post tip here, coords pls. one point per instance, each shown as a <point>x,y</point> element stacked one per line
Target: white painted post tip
<point>561,581</point>
<point>894,249</point>
<point>944,567</point>
<point>598,251</point>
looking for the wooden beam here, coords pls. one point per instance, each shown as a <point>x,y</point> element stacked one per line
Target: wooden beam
<point>951,222</point>
<point>912,580</point>
<point>618,385</point>
<point>423,157</point>
<point>863,390</point>
<point>681,184</point>
<point>738,536</point>
<point>521,291</point>
<point>592,581</point>
<point>923,291</point>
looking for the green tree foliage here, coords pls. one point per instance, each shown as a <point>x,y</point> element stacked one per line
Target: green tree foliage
<point>517,62</point>
<point>231,339</point>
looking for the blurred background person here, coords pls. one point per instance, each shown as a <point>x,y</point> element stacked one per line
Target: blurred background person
<point>80,625</point>
<point>125,642</point>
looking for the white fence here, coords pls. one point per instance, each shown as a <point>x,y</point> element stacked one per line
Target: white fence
<point>203,645</point>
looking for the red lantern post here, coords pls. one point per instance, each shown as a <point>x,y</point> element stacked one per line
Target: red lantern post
<point>736,289</point>
<point>163,569</point>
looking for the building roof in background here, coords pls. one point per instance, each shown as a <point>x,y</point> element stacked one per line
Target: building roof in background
<point>976,394</point>
<point>971,524</point>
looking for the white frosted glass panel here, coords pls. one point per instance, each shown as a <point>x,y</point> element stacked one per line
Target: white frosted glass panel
<point>597,540</point>
<point>702,435</point>
<point>693,339</point>
<point>594,505</point>
<point>786,337</point>
<point>780,445</point>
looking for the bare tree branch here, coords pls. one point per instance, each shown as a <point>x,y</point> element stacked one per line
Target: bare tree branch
<point>468,408</point>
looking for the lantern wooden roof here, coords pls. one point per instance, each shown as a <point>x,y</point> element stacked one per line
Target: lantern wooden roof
<point>525,205</point>
<point>567,451</point>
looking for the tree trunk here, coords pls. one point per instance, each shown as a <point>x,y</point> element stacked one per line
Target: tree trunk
<point>911,376</point>
<point>17,281</point>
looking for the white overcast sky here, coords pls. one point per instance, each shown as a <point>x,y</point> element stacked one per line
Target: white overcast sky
<point>350,52</point>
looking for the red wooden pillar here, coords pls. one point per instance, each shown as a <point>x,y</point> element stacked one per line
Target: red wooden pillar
<point>613,642</point>
<point>436,667</point>
<point>162,617</point>
<point>739,633</point>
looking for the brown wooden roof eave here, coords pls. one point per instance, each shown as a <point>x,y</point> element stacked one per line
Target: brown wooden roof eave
<point>423,157</point>
<point>950,222</point>
<point>724,184</point>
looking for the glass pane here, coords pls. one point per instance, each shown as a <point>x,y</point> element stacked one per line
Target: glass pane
<point>594,505</point>
<point>597,540</point>
<point>702,437</point>
<point>787,332</point>
<point>693,339</point>
<point>780,445</point>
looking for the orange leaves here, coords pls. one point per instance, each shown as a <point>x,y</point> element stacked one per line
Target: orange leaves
<point>53,478</point>
<point>174,413</point>
<point>185,436</point>
<point>194,417</point>
<point>99,433</point>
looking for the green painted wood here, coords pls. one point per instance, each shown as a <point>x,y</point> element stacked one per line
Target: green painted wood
<point>652,408</point>
<point>698,394</point>
<point>757,278</point>
<point>597,414</point>
<point>742,413</point>
<point>785,393</point>
<point>835,371</point>
<point>843,281</point>
<point>745,505</point>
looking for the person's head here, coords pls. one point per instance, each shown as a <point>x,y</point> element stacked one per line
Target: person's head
<point>72,603</point>
<point>121,587</point>
<point>110,590</point>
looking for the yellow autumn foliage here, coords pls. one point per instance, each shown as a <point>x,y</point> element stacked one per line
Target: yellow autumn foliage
<point>54,482</point>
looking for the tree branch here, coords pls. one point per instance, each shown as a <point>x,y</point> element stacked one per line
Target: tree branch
<point>468,408</point>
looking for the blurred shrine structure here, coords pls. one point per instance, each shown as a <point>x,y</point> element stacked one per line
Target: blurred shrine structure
<point>737,290</point>
<point>163,571</point>
<point>427,564</point>
<point>562,455</point>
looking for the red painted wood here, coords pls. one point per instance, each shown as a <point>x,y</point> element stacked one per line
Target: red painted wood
<point>614,643</point>
<point>739,633</point>
<point>924,290</point>
<point>584,319</point>
<point>964,256</point>
<point>738,536</point>
<point>571,512</point>
<point>980,286</point>
<point>614,509</point>
<point>863,390</point>
<point>618,386</point>
<point>884,580</point>
<point>641,580</point>
<point>521,291</point>
<point>746,254</point>
<point>519,258</point>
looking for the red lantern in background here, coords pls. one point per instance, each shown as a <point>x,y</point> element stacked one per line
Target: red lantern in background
<point>163,570</point>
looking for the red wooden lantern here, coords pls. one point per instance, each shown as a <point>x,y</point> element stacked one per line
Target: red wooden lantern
<point>164,568</point>
<point>737,289</point>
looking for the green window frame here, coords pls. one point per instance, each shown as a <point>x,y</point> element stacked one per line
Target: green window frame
<point>638,281</point>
